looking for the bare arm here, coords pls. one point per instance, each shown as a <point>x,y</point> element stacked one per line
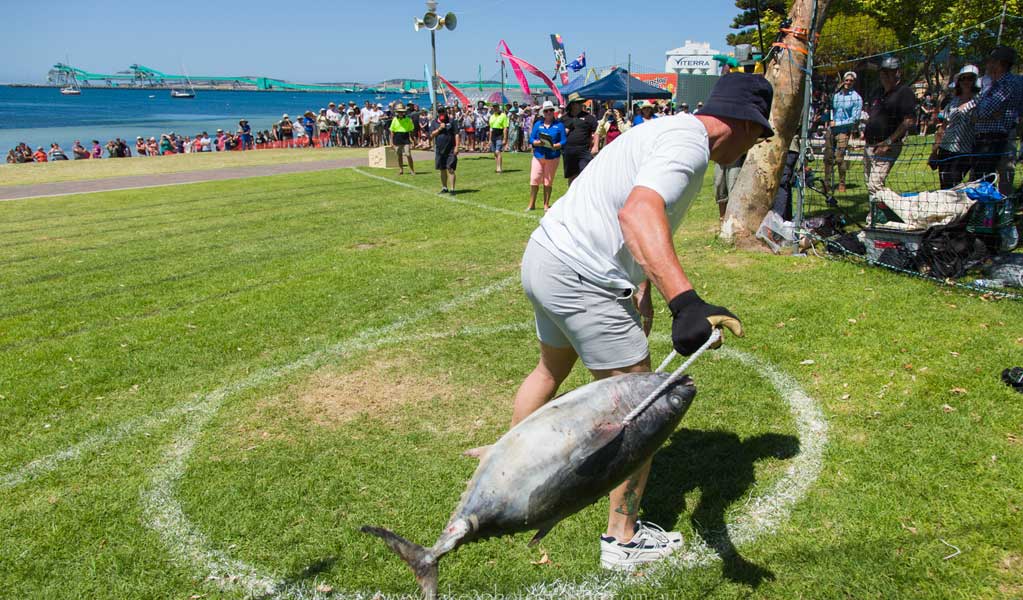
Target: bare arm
<point>648,237</point>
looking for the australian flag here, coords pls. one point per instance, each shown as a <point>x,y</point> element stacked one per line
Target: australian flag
<point>579,63</point>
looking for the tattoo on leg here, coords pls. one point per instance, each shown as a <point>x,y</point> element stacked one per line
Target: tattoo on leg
<point>630,504</point>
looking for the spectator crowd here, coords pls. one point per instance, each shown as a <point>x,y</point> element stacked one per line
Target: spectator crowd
<point>974,122</point>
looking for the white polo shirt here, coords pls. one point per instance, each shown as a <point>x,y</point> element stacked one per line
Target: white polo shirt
<point>668,155</point>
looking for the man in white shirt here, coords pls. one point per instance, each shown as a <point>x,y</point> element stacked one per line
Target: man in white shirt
<point>588,267</point>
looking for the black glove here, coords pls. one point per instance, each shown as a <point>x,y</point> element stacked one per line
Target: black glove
<point>693,321</point>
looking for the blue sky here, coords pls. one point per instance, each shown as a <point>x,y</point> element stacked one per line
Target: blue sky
<point>316,41</point>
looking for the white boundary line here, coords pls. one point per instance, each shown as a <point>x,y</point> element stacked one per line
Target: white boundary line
<point>764,514</point>
<point>255,173</point>
<point>114,434</point>
<point>453,199</point>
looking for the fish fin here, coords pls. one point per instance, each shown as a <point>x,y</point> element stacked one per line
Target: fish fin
<point>540,534</point>
<point>422,561</point>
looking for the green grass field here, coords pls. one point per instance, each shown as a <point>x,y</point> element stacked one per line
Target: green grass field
<point>206,390</point>
<point>79,170</point>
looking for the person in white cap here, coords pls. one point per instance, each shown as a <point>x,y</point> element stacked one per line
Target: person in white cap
<point>285,129</point>
<point>846,105</point>
<point>954,139</point>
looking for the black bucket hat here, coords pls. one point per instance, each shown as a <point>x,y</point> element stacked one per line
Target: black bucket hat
<point>743,96</point>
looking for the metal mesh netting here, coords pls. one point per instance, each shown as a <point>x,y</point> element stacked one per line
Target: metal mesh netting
<point>900,144</point>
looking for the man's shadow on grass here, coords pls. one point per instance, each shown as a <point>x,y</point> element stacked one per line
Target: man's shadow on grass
<point>722,467</point>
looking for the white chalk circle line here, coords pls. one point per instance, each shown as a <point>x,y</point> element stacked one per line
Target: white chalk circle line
<point>762,514</point>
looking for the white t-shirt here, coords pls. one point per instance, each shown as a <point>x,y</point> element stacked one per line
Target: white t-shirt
<point>668,155</point>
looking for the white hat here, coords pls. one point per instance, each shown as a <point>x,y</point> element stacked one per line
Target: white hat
<point>380,105</point>
<point>967,70</point>
<point>547,104</point>
<point>850,74</point>
<point>284,116</point>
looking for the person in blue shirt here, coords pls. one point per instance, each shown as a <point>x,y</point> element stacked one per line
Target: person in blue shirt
<point>846,106</point>
<point>308,123</point>
<point>547,138</point>
<point>646,113</point>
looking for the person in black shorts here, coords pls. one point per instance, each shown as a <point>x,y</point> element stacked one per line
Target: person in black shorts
<point>581,145</point>
<point>444,132</point>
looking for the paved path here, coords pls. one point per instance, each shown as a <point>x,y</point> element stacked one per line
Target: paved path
<point>64,188</point>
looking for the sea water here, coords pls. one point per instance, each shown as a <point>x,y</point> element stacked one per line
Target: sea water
<point>40,116</point>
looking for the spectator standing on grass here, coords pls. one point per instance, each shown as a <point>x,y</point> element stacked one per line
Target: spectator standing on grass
<point>444,130</point>
<point>97,150</point>
<point>846,105</point>
<point>354,127</point>
<point>286,129</point>
<point>892,115</point>
<point>40,155</point>
<point>245,131</point>
<point>547,138</point>
<point>165,145</point>
<point>926,110</point>
<point>141,149</point>
<point>646,113</point>
<point>56,152</point>
<point>952,155</point>
<point>333,121</point>
<point>79,151</point>
<point>612,124</point>
<point>153,148</point>
<point>402,129</point>
<point>581,138</point>
<point>997,114</point>
<point>498,124</point>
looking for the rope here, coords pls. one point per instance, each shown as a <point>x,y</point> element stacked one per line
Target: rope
<point>715,336</point>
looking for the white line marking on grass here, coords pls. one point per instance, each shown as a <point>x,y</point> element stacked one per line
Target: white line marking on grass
<point>761,515</point>
<point>114,434</point>
<point>479,205</point>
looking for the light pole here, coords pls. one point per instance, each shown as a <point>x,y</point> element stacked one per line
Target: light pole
<point>433,22</point>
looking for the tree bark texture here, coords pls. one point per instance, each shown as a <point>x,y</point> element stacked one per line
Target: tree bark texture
<point>754,191</point>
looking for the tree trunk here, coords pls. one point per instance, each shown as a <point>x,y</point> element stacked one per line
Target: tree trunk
<point>757,184</point>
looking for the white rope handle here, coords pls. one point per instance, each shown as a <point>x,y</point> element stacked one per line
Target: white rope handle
<point>715,336</point>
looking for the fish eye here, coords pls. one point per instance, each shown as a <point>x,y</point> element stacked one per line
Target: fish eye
<point>675,400</point>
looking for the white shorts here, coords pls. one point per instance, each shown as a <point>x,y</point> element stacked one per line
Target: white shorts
<point>602,325</point>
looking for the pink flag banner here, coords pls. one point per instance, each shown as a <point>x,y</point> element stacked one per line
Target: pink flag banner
<point>518,62</point>
<point>457,92</point>
<point>503,50</point>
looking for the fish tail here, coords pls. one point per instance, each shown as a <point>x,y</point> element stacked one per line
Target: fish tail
<point>421,560</point>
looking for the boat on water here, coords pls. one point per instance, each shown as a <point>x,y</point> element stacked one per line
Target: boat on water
<point>189,93</point>
<point>71,86</point>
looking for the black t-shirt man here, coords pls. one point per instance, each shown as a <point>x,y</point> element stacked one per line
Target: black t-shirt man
<point>580,130</point>
<point>887,112</point>
<point>444,142</point>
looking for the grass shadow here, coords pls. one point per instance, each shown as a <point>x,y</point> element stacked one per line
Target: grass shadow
<point>722,466</point>
<point>300,578</point>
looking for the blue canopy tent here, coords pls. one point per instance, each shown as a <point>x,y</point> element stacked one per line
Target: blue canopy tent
<point>618,85</point>
<point>576,83</point>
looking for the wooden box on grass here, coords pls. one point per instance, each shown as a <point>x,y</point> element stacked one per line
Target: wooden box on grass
<point>383,157</point>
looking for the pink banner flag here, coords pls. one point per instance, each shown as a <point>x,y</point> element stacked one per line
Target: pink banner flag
<point>457,92</point>
<point>503,50</point>
<point>516,61</point>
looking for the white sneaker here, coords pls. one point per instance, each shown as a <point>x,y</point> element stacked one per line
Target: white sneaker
<point>650,543</point>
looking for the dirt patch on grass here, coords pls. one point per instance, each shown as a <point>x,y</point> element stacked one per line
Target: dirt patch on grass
<point>330,399</point>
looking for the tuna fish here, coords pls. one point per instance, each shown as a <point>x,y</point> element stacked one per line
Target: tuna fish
<point>554,463</point>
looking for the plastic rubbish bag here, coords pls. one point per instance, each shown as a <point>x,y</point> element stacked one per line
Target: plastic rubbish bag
<point>776,231</point>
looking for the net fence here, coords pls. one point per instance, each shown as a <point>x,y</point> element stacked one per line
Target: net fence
<point>912,156</point>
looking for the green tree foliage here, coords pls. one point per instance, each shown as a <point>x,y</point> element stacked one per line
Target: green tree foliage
<point>772,12</point>
<point>845,36</point>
